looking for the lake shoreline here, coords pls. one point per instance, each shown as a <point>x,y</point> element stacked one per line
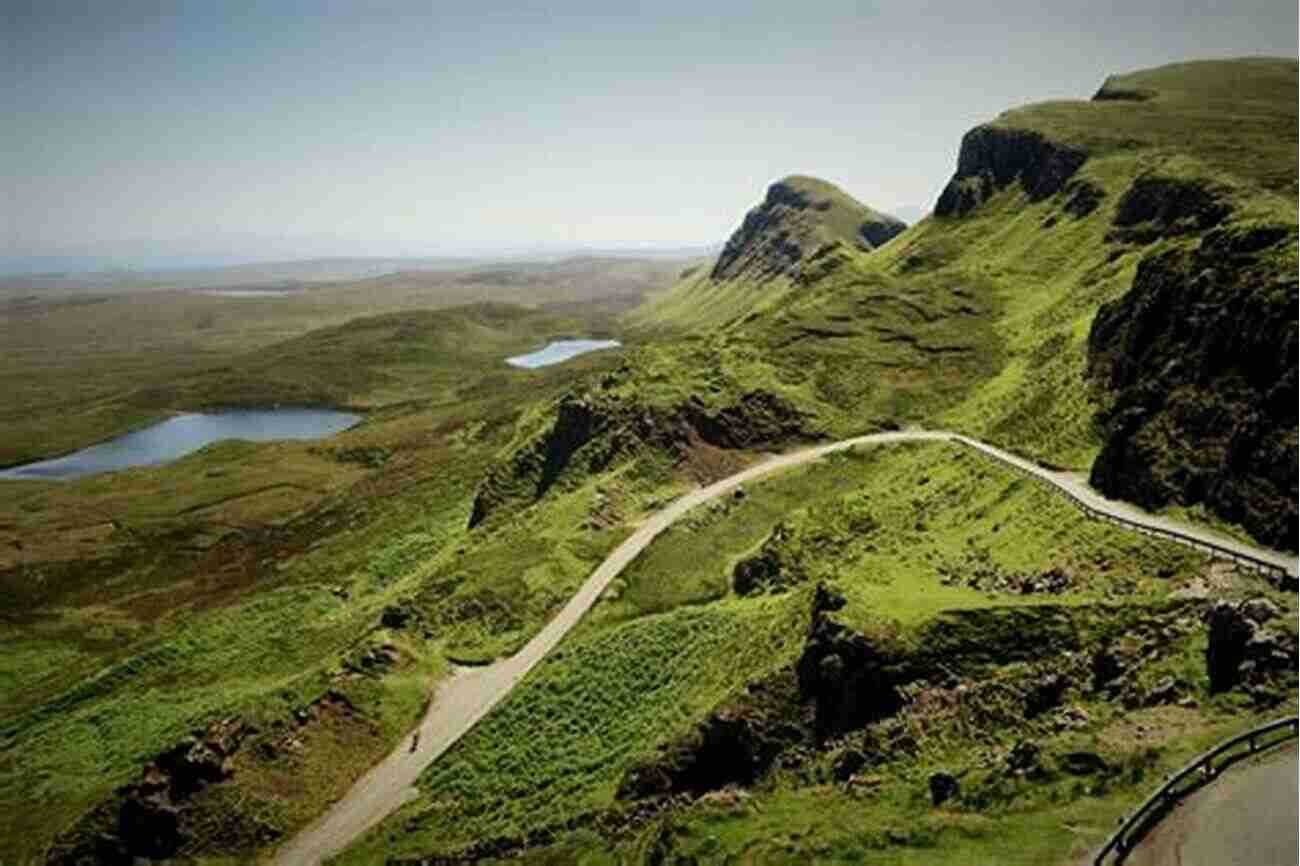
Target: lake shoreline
<point>274,414</point>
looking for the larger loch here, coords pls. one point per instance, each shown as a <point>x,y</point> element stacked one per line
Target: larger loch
<point>184,434</point>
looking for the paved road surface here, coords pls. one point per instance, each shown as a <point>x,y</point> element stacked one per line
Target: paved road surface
<point>470,693</point>
<point>1247,817</point>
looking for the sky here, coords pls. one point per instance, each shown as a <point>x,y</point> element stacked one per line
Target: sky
<point>284,129</point>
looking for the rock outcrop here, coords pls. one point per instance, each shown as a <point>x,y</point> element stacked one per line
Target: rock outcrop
<point>590,431</point>
<point>842,674</point>
<point>992,158</point>
<point>839,684</point>
<point>735,744</point>
<point>799,217</point>
<point>145,820</point>
<point>1200,358</point>
<point>1157,207</point>
<point>1244,648</point>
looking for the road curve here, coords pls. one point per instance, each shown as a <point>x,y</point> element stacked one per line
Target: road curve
<point>1246,818</point>
<point>469,694</point>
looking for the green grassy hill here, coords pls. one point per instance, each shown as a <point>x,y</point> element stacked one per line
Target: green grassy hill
<point>1101,280</point>
<point>1105,285</point>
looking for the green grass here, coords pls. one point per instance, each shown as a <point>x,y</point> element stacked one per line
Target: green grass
<point>1048,824</point>
<point>889,525</point>
<point>646,663</point>
<point>242,579</point>
<point>1221,112</point>
<point>558,746</point>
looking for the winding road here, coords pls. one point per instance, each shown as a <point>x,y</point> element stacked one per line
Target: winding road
<point>470,693</point>
<point>1247,818</point>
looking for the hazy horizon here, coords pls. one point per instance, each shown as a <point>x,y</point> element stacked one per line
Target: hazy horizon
<point>237,134</point>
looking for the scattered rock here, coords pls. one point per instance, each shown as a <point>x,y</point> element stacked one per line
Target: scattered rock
<point>943,787</point>
<point>847,764</point>
<point>1083,763</point>
<point>1023,760</point>
<point>1044,693</point>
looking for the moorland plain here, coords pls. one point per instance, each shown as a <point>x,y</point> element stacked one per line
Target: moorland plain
<point>85,364</point>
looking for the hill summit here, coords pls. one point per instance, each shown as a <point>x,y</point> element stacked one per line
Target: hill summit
<point>799,216</point>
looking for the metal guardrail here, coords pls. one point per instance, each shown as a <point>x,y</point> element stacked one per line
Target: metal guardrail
<point>1264,566</point>
<point>1200,772</point>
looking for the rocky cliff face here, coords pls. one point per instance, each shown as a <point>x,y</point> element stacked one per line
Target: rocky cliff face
<point>798,217</point>
<point>590,432</point>
<point>1200,357</point>
<point>992,158</point>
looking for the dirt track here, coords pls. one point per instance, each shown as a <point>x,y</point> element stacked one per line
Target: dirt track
<point>470,693</point>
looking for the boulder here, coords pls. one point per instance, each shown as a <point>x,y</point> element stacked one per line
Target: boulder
<point>1260,610</point>
<point>1044,693</point>
<point>847,763</point>
<point>1023,760</point>
<point>395,616</point>
<point>1082,763</point>
<point>943,787</point>
<point>1230,631</point>
<point>1165,691</point>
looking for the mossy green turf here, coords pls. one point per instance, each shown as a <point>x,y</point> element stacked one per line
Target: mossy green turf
<point>659,650</point>
<point>146,604</point>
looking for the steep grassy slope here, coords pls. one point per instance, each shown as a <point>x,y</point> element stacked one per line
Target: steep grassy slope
<point>1169,195</point>
<point>1167,204</point>
<point>1043,307</point>
<point>794,335</point>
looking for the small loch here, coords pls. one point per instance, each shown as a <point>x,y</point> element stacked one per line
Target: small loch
<point>559,351</point>
<point>184,434</point>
